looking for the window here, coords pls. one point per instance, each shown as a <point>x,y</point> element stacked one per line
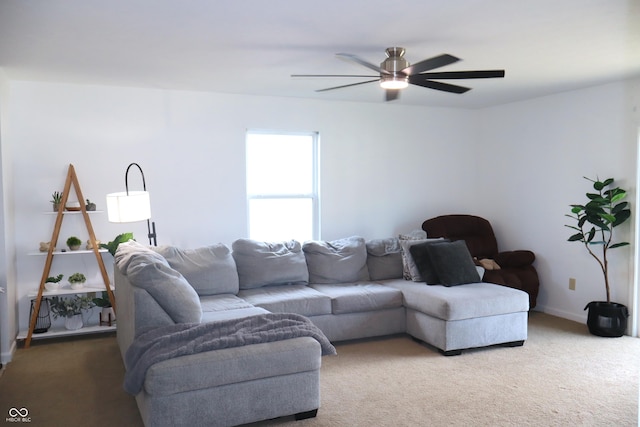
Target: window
<point>282,186</point>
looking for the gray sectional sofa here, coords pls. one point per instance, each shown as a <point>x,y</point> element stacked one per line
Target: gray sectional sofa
<point>349,288</point>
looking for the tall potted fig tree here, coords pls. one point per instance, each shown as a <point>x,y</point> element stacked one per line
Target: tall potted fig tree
<point>594,225</point>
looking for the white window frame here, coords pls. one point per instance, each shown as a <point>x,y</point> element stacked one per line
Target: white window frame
<point>314,195</point>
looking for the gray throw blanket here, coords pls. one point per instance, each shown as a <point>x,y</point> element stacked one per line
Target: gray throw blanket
<point>166,342</point>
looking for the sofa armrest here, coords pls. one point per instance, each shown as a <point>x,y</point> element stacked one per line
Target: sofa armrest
<point>137,309</point>
<point>515,259</point>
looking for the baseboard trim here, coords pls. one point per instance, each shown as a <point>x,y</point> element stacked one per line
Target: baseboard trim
<point>562,313</point>
<point>7,356</point>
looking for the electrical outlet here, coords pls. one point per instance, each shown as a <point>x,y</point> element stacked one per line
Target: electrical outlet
<point>572,284</point>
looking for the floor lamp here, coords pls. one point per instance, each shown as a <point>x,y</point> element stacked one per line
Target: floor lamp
<point>132,206</point>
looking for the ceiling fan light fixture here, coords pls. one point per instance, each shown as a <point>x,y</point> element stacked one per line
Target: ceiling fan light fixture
<point>394,82</point>
<point>396,73</point>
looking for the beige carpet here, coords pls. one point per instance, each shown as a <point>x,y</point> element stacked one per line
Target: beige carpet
<point>562,376</point>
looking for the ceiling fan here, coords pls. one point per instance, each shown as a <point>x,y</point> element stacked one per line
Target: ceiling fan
<point>396,73</point>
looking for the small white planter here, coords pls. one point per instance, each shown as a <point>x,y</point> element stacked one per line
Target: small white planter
<point>74,322</point>
<point>52,286</point>
<point>104,316</point>
<point>76,286</point>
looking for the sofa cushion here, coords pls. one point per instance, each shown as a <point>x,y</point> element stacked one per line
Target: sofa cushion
<point>384,259</point>
<point>148,270</point>
<point>338,261</point>
<point>453,263</point>
<point>461,302</point>
<point>214,316</point>
<point>269,263</point>
<point>222,302</point>
<point>210,270</point>
<point>298,299</point>
<point>409,263</point>
<point>225,307</point>
<point>358,297</point>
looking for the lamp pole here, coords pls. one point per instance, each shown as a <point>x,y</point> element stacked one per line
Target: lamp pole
<point>151,226</point>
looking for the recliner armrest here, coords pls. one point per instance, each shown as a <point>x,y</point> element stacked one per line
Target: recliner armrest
<point>515,259</point>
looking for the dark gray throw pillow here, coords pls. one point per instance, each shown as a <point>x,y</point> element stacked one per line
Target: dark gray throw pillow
<point>422,260</point>
<point>453,263</point>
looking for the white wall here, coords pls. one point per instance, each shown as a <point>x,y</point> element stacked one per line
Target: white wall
<point>8,311</point>
<point>534,155</point>
<point>384,168</point>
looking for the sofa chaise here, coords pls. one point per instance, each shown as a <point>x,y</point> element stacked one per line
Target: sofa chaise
<point>349,288</point>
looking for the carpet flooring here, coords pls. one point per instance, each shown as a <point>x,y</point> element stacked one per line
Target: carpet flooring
<point>562,376</point>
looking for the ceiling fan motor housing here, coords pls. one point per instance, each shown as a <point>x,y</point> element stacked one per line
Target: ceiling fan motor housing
<point>394,64</point>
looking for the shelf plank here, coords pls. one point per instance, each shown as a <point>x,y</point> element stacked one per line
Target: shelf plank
<point>61,332</point>
<point>68,291</point>
<point>78,252</point>
<point>72,212</point>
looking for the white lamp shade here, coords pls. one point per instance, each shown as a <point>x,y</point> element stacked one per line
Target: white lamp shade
<point>132,207</point>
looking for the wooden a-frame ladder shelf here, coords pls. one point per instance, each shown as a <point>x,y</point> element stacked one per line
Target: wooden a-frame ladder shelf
<point>72,179</point>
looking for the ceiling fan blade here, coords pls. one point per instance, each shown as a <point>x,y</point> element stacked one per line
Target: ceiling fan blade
<point>430,64</point>
<point>330,75</point>
<point>446,87</point>
<point>369,65</point>
<point>352,84</point>
<point>391,94</point>
<point>484,74</point>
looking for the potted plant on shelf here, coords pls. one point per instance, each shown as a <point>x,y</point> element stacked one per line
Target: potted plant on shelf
<point>74,243</point>
<point>52,283</point>
<point>107,315</point>
<point>90,206</point>
<point>56,199</point>
<point>71,309</point>
<point>77,280</point>
<point>594,225</point>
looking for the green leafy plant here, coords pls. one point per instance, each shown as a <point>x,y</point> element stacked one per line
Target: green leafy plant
<point>56,198</point>
<point>73,241</point>
<point>77,278</point>
<point>54,279</point>
<point>596,220</point>
<point>113,246</point>
<point>102,301</point>
<point>66,307</point>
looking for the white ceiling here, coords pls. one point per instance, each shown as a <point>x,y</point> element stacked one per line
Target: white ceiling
<point>253,46</point>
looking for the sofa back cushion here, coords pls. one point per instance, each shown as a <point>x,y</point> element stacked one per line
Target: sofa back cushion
<point>269,263</point>
<point>148,270</point>
<point>338,261</point>
<point>384,259</point>
<point>211,270</point>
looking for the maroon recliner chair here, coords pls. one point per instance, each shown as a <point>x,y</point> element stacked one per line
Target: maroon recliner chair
<point>516,269</point>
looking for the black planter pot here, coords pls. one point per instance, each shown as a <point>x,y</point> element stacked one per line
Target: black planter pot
<point>607,319</point>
